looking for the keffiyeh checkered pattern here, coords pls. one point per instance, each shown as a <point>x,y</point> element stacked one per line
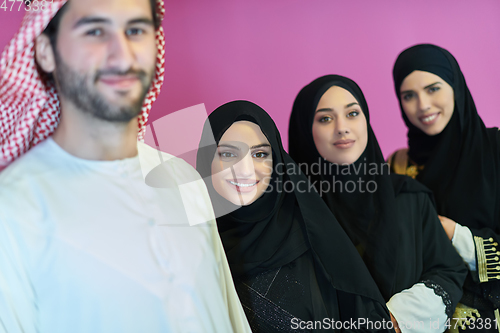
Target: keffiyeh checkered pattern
<point>29,108</point>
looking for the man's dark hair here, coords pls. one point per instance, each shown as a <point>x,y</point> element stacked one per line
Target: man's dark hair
<point>53,26</point>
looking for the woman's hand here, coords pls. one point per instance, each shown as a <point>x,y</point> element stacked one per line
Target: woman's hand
<point>448,226</point>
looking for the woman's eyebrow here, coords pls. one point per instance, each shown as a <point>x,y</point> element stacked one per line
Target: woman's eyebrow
<point>261,146</point>
<point>324,110</point>
<point>330,109</point>
<point>350,104</point>
<point>426,87</point>
<point>228,146</point>
<point>430,85</point>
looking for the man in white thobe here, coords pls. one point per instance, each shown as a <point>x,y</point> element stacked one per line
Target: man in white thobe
<point>85,244</point>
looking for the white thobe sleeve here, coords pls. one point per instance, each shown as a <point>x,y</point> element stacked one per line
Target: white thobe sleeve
<point>464,244</point>
<point>199,210</point>
<point>418,310</point>
<point>18,311</point>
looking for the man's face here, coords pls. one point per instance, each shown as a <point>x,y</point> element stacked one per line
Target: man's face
<point>106,57</point>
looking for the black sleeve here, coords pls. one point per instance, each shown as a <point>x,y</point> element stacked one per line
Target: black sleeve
<point>360,314</point>
<point>486,242</point>
<point>443,270</point>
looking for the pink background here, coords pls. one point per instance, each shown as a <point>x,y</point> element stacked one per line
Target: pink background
<point>265,51</point>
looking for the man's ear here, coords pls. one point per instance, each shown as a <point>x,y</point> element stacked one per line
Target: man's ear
<point>44,54</point>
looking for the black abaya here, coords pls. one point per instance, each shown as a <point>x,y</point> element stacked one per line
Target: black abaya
<point>395,227</point>
<point>290,259</point>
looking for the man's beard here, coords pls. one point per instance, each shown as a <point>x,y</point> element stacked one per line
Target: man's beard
<point>76,88</point>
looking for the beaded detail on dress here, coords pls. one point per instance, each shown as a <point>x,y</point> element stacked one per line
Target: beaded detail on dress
<point>413,170</point>
<point>402,165</point>
<point>491,292</point>
<point>264,315</point>
<point>439,291</point>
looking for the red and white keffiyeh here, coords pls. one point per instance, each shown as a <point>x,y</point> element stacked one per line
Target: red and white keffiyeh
<point>29,108</point>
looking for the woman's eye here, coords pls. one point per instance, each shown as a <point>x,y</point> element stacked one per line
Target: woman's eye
<point>227,155</point>
<point>324,119</point>
<point>433,89</point>
<point>260,154</point>
<point>94,32</point>
<point>353,114</point>
<point>408,96</point>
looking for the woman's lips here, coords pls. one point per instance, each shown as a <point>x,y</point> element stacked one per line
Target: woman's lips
<point>344,144</point>
<point>429,119</point>
<point>243,186</point>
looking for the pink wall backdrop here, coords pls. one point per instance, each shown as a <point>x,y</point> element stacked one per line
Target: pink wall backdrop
<point>265,51</point>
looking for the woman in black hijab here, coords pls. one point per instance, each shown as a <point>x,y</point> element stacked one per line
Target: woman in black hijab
<point>290,259</point>
<point>390,218</point>
<point>458,158</point>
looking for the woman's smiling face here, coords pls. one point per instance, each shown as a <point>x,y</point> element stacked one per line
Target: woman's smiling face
<point>243,164</point>
<point>428,101</point>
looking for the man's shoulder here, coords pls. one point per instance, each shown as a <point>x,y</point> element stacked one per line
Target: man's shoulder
<point>33,164</point>
<point>21,188</point>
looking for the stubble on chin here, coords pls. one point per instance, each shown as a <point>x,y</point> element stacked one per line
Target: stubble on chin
<point>81,90</point>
